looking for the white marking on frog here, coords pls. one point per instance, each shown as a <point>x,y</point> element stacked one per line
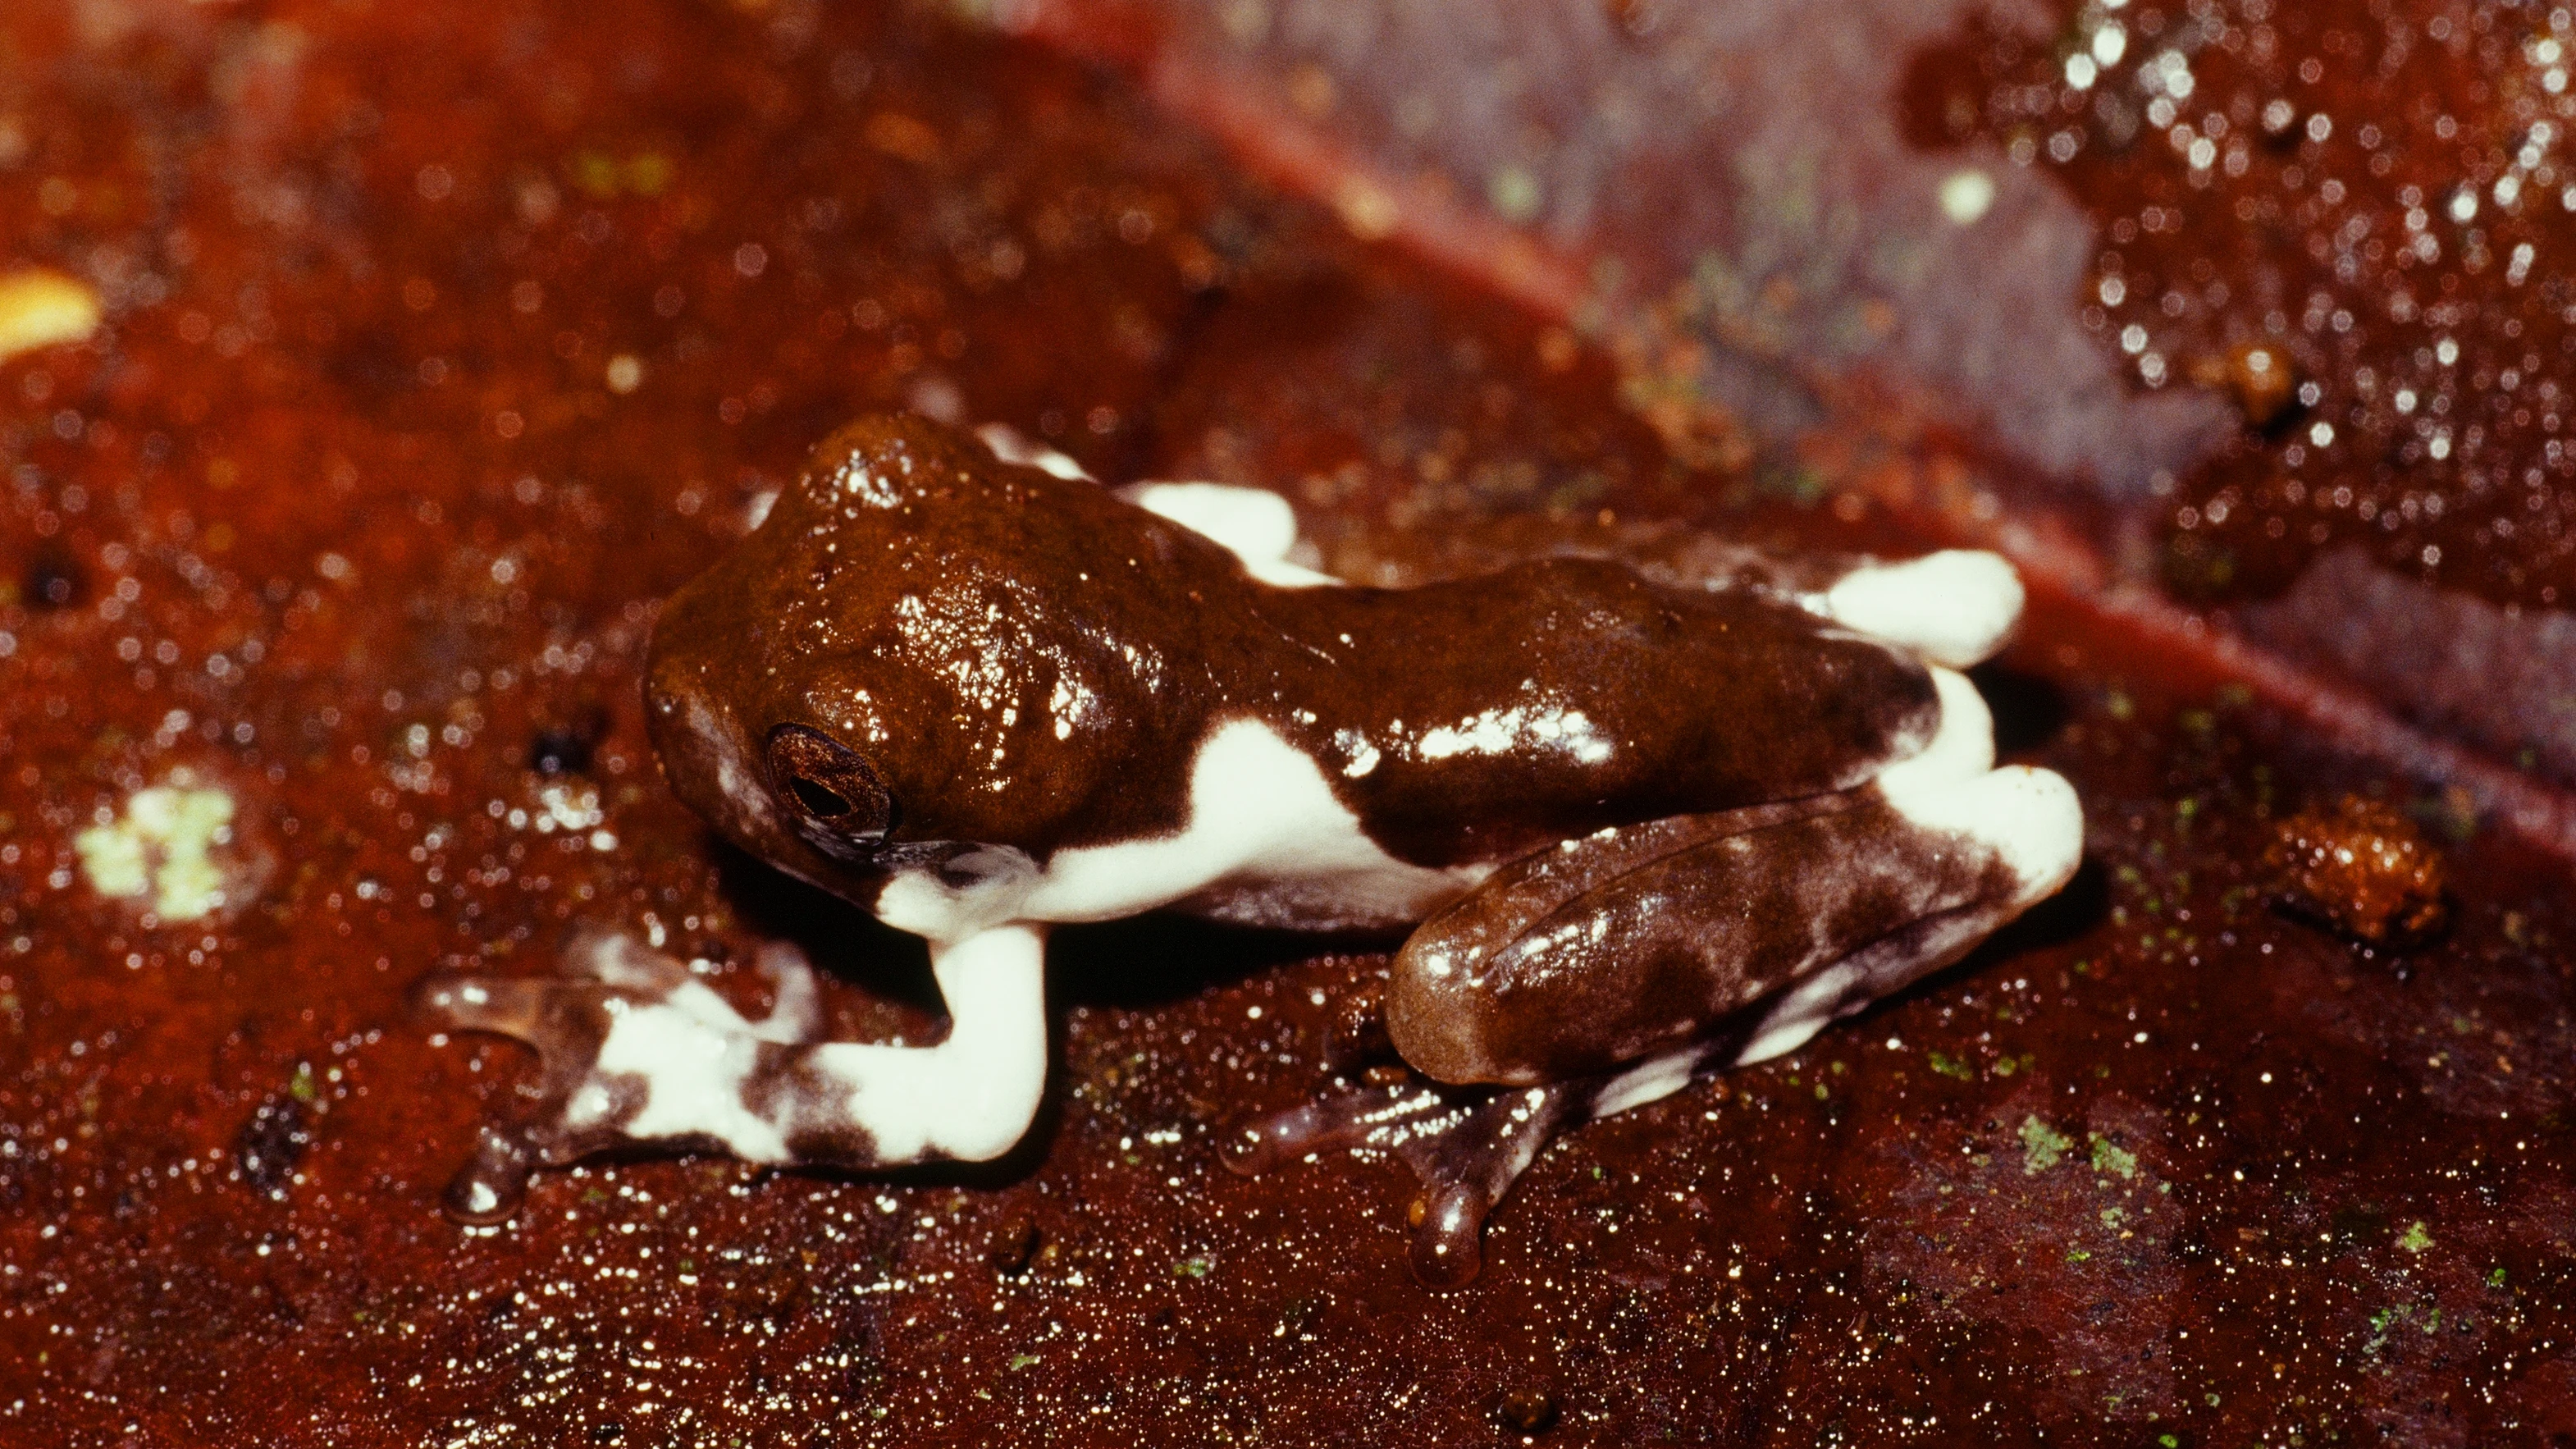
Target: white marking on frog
<point>1955,607</point>
<point>1260,815</point>
<point>1254,524</point>
<point>1013,446</point>
<point>698,1061</point>
<point>970,1097</point>
<point>1502,731</point>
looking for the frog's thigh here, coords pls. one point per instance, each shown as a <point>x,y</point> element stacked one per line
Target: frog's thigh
<point>2031,826</point>
<point>1604,953</point>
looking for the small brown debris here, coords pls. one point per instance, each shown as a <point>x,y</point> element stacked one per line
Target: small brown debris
<point>1529,1409</point>
<point>2363,869</point>
<point>2264,380</point>
<point>1013,1242</point>
<point>903,138</point>
<point>1357,1037</point>
<point>565,745</point>
<point>53,581</point>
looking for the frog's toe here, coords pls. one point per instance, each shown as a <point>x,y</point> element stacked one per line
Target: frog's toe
<point>617,959</point>
<point>490,1186</point>
<point>1379,1116</point>
<point>501,1005</point>
<point>1955,607</point>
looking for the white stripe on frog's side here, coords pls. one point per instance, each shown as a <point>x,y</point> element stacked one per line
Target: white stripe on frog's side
<point>1260,813</point>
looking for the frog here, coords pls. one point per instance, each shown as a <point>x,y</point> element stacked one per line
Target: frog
<point>1627,829</point>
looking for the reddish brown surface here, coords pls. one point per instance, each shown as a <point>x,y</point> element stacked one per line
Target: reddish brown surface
<point>2380,197</point>
<point>2160,1163</point>
<point>1751,203</point>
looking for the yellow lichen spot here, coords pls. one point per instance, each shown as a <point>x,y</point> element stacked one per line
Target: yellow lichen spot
<point>43,308</point>
<point>162,846</point>
<point>1369,212</point>
<point>903,138</point>
<point>596,173</point>
<point>648,174</point>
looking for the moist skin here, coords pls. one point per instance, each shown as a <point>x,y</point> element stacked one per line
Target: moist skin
<point>1647,825</point>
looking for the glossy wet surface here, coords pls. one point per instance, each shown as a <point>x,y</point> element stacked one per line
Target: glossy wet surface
<point>407,408</point>
<point>2405,263</point>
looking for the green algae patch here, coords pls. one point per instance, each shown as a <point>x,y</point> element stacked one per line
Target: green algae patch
<point>2041,1145</point>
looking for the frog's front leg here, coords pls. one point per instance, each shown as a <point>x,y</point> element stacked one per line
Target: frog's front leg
<point>634,1051</point>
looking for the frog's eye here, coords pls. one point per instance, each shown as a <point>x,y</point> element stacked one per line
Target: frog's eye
<point>828,782</point>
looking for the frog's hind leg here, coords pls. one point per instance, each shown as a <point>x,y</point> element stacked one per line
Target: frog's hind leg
<point>1604,973</point>
<point>634,1051</point>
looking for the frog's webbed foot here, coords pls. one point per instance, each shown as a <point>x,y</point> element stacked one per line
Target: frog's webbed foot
<point>634,1051</point>
<point>1466,1144</point>
<point>588,1098</point>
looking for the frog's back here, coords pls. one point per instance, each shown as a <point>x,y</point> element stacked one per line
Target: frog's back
<point>1473,719</point>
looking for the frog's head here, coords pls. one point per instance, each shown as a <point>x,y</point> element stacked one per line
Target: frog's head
<point>927,664</point>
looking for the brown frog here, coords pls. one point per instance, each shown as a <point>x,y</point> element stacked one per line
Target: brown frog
<point>1636,828</point>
